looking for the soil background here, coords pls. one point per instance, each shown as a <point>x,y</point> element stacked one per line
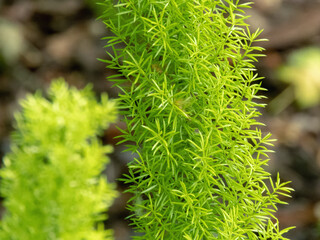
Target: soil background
<point>45,39</point>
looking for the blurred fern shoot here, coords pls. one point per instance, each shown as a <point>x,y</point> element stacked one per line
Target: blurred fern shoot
<point>51,179</point>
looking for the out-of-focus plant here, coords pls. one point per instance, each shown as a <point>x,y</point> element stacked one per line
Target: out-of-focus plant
<point>51,180</point>
<point>11,41</point>
<point>188,97</point>
<point>302,73</point>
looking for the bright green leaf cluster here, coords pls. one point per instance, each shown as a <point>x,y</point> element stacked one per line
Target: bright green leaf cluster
<point>51,180</point>
<point>188,101</point>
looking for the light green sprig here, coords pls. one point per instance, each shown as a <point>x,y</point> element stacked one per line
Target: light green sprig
<point>191,112</point>
<point>51,179</point>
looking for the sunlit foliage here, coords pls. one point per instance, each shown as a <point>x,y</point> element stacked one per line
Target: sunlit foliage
<point>189,98</point>
<point>51,180</point>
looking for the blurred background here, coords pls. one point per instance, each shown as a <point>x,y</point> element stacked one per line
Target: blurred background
<point>44,39</point>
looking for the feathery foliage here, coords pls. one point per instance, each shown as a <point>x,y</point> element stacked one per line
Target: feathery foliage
<point>189,101</point>
<point>51,180</point>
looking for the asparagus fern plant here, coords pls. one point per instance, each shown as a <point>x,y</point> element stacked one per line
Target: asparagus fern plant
<point>52,180</point>
<point>190,98</point>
